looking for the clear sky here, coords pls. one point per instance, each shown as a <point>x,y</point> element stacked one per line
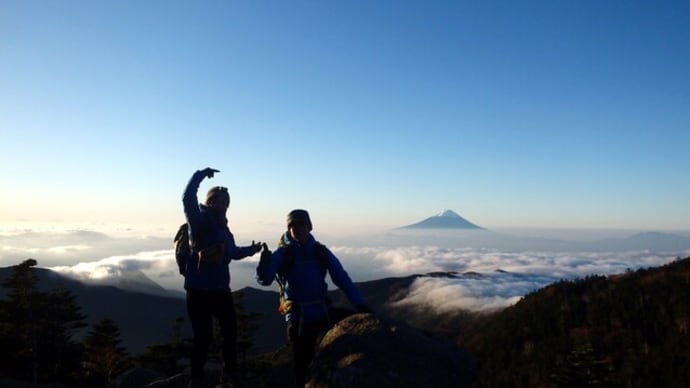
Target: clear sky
<point>371,114</point>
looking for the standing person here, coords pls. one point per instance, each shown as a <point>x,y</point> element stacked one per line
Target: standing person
<point>207,277</point>
<point>301,263</point>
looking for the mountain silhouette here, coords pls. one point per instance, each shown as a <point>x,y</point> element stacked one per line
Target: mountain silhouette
<point>447,219</point>
<point>653,241</point>
<point>143,318</point>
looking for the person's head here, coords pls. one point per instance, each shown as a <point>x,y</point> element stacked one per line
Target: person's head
<point>218,198</point>
<point>299,225</point>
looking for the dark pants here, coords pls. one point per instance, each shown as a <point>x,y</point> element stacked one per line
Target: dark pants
<point>202,306</point>
<point>303,347</point>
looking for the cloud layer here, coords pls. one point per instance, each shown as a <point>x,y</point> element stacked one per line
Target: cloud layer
<point>490,279</point>
<point>486,278</point>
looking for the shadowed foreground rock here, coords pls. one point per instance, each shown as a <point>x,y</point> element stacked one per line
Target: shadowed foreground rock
<point>363,351</point>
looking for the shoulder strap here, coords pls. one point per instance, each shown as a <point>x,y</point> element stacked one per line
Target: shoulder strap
<point>288,262</point>
<point>320,251</point>
<point>321,255</point>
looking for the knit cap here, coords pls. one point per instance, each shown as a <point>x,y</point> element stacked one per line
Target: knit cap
<point>299,215</point>
<point>217,190</point>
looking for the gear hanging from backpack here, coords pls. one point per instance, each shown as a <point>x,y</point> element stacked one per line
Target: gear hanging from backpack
<point>183,248</point>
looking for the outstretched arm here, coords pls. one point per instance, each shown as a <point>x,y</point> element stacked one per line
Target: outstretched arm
<point>189,197</point>
<point>239,253</point>
<point>342,280</point>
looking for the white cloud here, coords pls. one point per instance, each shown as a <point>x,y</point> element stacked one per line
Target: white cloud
<point>67,249</point>
<point>159,266</point>
<point>408,260</point>
<point>499,279</point>
<point>55,248</point>
<point>446,295</point>
<point>487,278</point>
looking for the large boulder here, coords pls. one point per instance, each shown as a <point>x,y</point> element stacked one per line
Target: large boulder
<point>364,351</point>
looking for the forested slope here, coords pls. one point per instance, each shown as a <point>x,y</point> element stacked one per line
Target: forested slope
<point>628,330</point>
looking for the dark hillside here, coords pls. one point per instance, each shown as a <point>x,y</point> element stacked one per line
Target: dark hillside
<point>626,330</point>
<point>143,319</point>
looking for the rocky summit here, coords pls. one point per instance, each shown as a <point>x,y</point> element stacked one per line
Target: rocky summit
<point>365,351</point>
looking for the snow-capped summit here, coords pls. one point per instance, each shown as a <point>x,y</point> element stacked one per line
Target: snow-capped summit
<point>447,219</point>
<point>448,213</point>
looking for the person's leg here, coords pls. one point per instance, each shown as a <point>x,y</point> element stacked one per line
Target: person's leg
<point>200,316</point>
<point>300,356</point>
<point>224,309</point>
<point>303,348</point>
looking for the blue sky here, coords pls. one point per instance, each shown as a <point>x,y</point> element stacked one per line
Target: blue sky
<point>372,115</point>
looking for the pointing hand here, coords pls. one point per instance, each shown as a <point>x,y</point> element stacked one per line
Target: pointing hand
<point>208,172</point>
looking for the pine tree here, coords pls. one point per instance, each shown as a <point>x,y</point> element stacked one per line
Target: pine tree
<point>37,329</point>
<point>19,327</point>
<point>104,357</point>
<point>61,317</point>
<point>247,324</point>
<point>582,369</point>
<point>165,357</point>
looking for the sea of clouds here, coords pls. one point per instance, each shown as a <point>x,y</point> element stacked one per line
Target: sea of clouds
<point>489,275</point>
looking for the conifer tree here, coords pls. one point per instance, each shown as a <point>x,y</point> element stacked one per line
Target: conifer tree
<point>18,321</point>
<point>247,324</point>
<point>104,357</point>
<point>582,369</point>
<point>61,318</point>
<point>165,357</point>
<point>37,329</point>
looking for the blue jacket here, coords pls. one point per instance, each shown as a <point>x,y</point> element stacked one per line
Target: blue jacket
<point>306,284</point>
<point>206,228</point>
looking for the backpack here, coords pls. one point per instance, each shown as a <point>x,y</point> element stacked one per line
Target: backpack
<point>183,248</point>
<point>286,305</point>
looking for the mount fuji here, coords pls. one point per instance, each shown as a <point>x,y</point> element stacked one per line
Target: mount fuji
<point>447,219</point>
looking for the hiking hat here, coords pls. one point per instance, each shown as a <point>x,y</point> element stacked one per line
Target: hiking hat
<point>217,191</point>
<point>299,215</point>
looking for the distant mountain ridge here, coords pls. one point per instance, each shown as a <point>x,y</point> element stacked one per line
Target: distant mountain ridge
<point>144,316</point>
<point>654,241</point>
<point>447,219</point>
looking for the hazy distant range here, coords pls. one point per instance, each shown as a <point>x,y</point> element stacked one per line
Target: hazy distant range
<point>451,229</point>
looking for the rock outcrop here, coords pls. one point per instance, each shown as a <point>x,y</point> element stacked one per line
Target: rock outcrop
<point>364,351</point>
<point>361,351</point>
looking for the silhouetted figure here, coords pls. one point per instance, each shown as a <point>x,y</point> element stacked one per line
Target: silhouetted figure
<point>207,278</point>
<point>301,264</point>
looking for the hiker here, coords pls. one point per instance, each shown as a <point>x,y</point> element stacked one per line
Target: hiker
<point>301,263</point>
<point>207,276</point>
